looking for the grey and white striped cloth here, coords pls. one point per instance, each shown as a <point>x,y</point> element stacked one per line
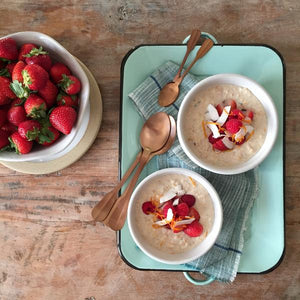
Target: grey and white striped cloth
<point>237,192</point>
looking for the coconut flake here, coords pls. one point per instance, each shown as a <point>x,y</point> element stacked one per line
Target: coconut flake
<point>184,222</point>
<point>162,222</point>
<point>225,113</point>
<point>240,134</point>
<point>249,129</point>
<point>168,196</point>
<point>176,202</point>
<point>227,142</point>
<point>212,112</point>
<point>169,215</point>
<point>215,130</point>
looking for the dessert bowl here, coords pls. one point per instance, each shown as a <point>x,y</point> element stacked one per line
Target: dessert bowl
<point>58,54</point>
<point>166,245</point>
<point>192,123</point>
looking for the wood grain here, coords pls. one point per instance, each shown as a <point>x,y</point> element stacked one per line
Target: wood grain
<point>50,248</point>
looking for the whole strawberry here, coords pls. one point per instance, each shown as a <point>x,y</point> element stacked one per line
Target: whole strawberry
<point>66,100</point>
<point>21,145</point>
<point>10,67</point>
<point>47,136</point>
<point>16,115</point>
<point>25,49</point>
<point>35,107</point>
<point>49,93</point>
<point>40,57</point>
<point>29,129</point>
<point>8,49</point>
<point>70,84</point>
<point>3,117</point>
<point>3,139</point>
<point>63,118</point>
<point>17,71</point>
<point>9,128</point>
<point>34,77</point>
<point>57,70</point>
<point>6,94</point>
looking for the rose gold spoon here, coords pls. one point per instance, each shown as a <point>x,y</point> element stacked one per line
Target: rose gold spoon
<point>154,134</point>
<point>170,91</point>
<point>117,216</point>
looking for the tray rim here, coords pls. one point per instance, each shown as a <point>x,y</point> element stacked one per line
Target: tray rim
<point>123,63</point>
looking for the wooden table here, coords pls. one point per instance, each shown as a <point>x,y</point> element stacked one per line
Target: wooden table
<point>50,248</point>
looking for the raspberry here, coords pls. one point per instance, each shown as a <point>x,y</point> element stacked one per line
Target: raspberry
<point>211,139</point>
<point>250,114</point>
<point>194,213</point>
<point>188,199</point>
<point>219,145</point>
<point>236,113</point>
<point>194,229</point>
<point>233,125</point>
<point>182,209</point>
<point>148,207</point>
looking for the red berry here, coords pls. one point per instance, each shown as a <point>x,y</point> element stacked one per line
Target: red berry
<point>10,67</point>
<point>16,115</point>
<point>182,209</point>
<point>233,125</point>
<point>236,113</point>
<point>66,100</point>
<point>188,199</point>
<point>21,145</point>
<point>39,57</point>
<point>194,213</point>
<point>219,145</point>
<point>194,229</point>
<point>35,107</point>
<point>6,94</point>
<point>8,49</point>
<point>148,207</point>
<point>25,49</point>
<point>70,84</point>
<point>2,117</point>
<point>249,114</point>
<point>9,128</point>
<point>29,129</point>
<point>49,93</point>
<point>232,103</point>
<point>220,108</point>
<point>17,71</point>
<point>166,208</point>
<point>57,70</point>
<point>34,77</point>
<point>3,138</point>
<point>63,118</point>
<point>212,140</point>
<point>48,137</point>
<point>179,228</point>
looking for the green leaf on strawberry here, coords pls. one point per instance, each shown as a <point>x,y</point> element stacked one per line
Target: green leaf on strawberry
<point>19,90</point>
<point>35,52</point>
<point>4,72</point>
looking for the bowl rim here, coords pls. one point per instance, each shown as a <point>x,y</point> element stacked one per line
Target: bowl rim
<point>218,210</point>
<point>41,153</point>
<point>259,156</point>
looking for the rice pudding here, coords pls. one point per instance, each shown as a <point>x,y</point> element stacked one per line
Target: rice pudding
<point>197,129</point>
<point>170,194</point>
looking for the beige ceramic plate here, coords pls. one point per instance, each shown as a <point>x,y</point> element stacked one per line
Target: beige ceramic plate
<point>79,150</point>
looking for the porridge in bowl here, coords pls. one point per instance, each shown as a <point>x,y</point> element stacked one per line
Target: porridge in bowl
<point>174,213</point>
<point>226,125</point>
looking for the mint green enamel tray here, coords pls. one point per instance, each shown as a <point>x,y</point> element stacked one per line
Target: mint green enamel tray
<point>264,238</point>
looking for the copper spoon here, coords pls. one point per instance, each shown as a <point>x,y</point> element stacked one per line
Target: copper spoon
<point>170,91</point>
<point>117,216</point>
<point>154,134</point>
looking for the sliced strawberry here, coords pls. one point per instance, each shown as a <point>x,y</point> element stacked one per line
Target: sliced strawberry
<point>233,125</point>
<point>219,145</point>
<point>179,228</point>
<point>166,208</point>
<point>194,229</point>
<point>188,199</point>
<point>194,213</point>
<point>231,102</point>
<point>148,207</point>
<point>212,140</point>
<point>182,209</point>
<point>250,114</point>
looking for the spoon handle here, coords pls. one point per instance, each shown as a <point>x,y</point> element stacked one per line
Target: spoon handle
<point>102,209</point>
<point>205,47</point>
<point>117,216</point>
<point>195,35</point>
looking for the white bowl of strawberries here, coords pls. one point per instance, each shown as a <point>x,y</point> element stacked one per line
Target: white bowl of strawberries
<point>227,124</point>
<point>44,94</point>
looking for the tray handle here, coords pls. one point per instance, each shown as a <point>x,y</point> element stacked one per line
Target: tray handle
<point>204,35</point>
<point>194,281</point>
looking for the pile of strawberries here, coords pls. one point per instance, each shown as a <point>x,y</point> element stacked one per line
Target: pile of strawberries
<point>38,98</point>
<point>183,211</point>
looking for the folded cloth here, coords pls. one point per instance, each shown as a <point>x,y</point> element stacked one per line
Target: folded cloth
<point>237,192</point>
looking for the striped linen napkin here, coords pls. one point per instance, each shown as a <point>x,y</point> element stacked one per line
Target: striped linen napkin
<point>237,192</point>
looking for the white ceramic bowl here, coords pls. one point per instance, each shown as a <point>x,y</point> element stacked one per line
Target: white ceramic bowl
<point>58,54</point>
<point>195,252</point>
<point>267,103</point>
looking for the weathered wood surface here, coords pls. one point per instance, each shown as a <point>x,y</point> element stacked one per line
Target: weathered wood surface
<point>50,249</point>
